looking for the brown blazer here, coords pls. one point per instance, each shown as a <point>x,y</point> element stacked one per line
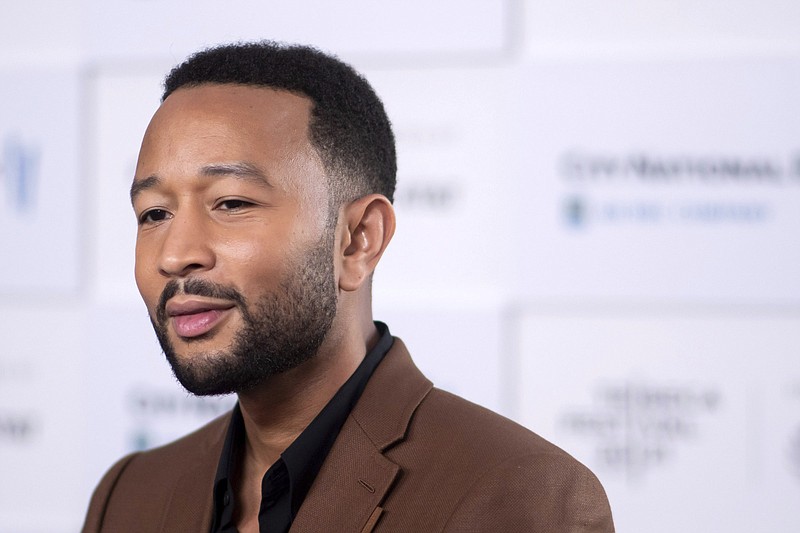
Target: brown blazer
<point>409,458</point>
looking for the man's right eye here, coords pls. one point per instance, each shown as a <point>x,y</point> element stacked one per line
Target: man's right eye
<point>153,215</point>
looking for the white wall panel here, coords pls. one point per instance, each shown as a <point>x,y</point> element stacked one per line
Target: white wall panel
<point>681,413</point>
<point>42,202</point>
<point>665,27</point>
<point>453,209</point>
<point>460,347</point>
<point>42,424</point>
<point>41,32</point>
<point>664,180</point>
<point>123,106</point>
<point>175,28</point>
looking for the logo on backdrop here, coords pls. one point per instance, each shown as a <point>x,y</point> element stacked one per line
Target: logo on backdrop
<point>633,188</point>
<point>16,427</point>
<point>19,168</point>
<point>161,415</point>
<point>428,195</point>
<point>636,427</point>
<point>660,169</point>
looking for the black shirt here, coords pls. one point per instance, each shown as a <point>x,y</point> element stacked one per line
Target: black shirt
<point>286,483</point>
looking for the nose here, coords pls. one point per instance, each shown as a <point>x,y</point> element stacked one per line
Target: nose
<point>186,248</point>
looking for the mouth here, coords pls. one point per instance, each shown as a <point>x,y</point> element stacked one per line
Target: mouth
<point>194,317</point>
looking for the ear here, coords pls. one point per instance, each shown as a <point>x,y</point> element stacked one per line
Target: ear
<point>367,226</point>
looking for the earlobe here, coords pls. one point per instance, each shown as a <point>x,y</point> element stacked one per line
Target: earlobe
<point>370,224</point>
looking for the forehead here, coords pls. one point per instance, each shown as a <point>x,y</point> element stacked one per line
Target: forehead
<point>260,107</point>
<point>213,124</point>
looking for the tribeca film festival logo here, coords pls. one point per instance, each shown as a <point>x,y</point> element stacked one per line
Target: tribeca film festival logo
<point>635,427</point>
<point>747,174</point>
<point>19,167</point>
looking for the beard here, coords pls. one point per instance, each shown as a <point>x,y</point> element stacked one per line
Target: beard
<point>281,330</point>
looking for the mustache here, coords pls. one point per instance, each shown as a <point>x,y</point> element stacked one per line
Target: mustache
<point>196,287</point>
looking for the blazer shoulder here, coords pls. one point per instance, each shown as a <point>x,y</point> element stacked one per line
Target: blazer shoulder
<point>480,428</point>
<point>536,492</point>
<point>140,485</point>
<point>101,494</point>
<point>501,476</point>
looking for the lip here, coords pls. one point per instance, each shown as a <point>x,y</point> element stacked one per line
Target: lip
<point>190,306</point>
<point>194,317</point>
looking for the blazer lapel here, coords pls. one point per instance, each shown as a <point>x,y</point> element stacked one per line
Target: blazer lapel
<point>356,476</point>
<point>349,488</point>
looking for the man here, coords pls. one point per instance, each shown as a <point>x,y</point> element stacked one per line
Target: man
<point>263,196</point>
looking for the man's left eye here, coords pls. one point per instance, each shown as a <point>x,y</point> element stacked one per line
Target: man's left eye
<point>233,204</point>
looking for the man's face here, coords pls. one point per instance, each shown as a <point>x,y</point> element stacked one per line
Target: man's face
<point>234,251</point>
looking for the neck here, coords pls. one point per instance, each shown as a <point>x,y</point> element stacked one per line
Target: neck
<point>277,411</point>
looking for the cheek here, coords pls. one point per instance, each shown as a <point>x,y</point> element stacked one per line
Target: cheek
<point>254,263</point>
<point>147,278</point>
<point>243,250</point>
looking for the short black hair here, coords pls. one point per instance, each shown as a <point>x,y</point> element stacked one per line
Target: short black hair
<point>348,125</point>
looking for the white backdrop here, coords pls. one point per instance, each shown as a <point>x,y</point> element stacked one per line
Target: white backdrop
<point>598,236</point>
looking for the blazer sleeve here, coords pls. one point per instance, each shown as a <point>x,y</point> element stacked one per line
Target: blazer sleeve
<point>102,494</point>
<point>551,493</point>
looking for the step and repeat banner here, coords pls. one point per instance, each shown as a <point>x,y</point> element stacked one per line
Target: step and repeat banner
<point>598,236</point>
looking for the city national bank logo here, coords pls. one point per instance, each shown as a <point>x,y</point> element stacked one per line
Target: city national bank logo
<point>19,169</point>
<point>649,168</point>
<point>651,189</point>
<point>635,427</point>
<point>575,211</point>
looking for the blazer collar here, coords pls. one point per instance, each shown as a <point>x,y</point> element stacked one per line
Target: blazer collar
<point>356,477</point>
<point>392,395</point>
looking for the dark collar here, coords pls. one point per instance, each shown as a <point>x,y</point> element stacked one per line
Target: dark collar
<point>303,459</point>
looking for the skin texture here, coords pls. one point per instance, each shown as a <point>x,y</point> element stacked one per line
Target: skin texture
<point>229,191</point>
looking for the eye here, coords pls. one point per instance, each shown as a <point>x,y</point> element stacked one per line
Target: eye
<point>153,216</point>
<point>233,204</point>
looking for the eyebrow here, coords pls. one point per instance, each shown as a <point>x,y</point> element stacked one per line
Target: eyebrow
<point>240,169</point>
<point>140,185</point>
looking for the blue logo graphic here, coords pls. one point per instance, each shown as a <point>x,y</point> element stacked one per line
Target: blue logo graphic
<point>19,169</point>
<point>575,212</point>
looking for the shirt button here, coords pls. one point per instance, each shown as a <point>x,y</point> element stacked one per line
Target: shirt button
<point>226,499</point>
